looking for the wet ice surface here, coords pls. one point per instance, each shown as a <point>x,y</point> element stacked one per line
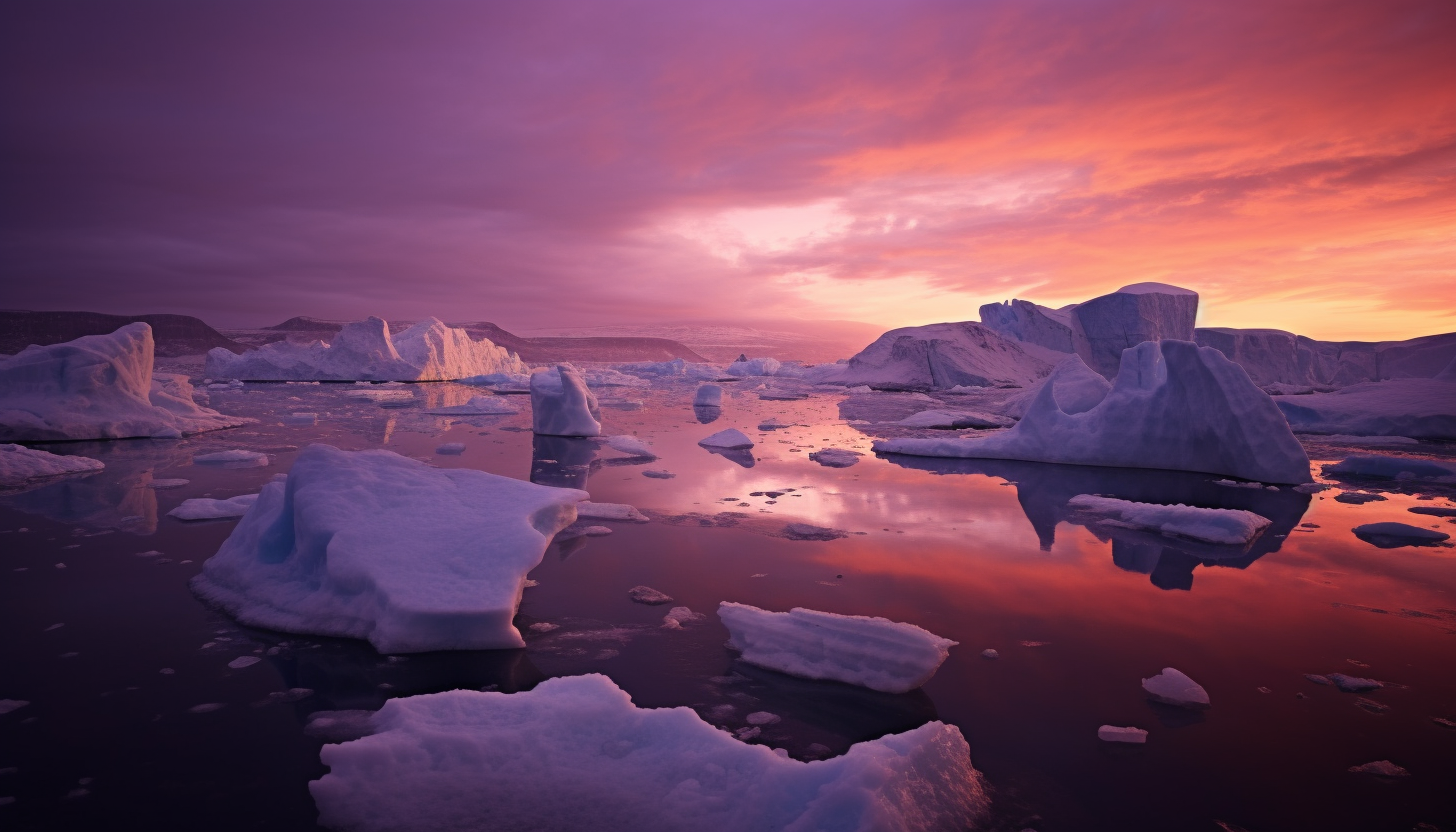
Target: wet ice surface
<point>986,553</point>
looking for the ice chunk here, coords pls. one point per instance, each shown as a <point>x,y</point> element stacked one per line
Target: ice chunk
<point>1103,327</point>
<point>575,753</point>
<point>1395,535</point>
<point>166,483</point>
<point>678,616</point>
<point>340,726</point>
<point>658,474</point>
<point>872,652</point>
<point>206,707</point>
<point>1210,525</point>
<point>990,653</point>
<point>1420,408</point>
<point>243,661</point>
<point>1393,468</point>
<point>708,395</point>
<point>235,458</point>
<point>561,404</point>
<point>98,387</point>
<point>451,449</point>
<point>807,531</point>
<point>8,705</point>
<point>954,419</point>
<point>1380,768</point>
<point>835,457</point>
<point>1112,733</point>
<point>477,406</point>
<point>1353,684</point>
<point>1172,687</point>
<point>427,351</point>
<point>1434,511</point>
<point>19,465</point>
<point>370,544</point>
<point>648,595</point>
<point>774,424</point>
<point>762,718</point>
<point>588,510</point>
<point>939,356</point>
<point>1174,406</point>
<point>631,446</point>
<point>731,439</point>
<point>202,508</point>
<point>753,367</point>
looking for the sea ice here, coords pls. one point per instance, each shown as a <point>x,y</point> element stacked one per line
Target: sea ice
<point>365,350</point>
<point>954,419</point>
<point>574,753</point>
<point>1395,535</point>
<point>1210,525</point>
<point>731,439</point>
<point>631,446</point>
<point>708,395</point>
<point>1172,687</point>
<point>1112,733</point>
<point>1420,408</point>
<point>1393,468</point>
<point>98,387</point>
<point>1174,405</point>
<point>370,544</point>
<point>871,652</point>
<point>1103,327</point>
<point>202,508</point>
<point>19,464</point>
<point>587,510</point>
<point>477,406</point>
<point>561,404</point>
<point>835,457</point>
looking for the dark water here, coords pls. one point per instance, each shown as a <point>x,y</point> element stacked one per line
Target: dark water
<point>980,552</point>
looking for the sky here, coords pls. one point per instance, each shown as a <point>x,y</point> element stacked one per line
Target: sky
<point>552,164</point>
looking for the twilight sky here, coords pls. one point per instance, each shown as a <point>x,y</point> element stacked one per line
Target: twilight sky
<point>898,162</point>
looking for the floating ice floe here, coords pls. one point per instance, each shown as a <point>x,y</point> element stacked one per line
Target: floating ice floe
<point>939,356</point>
<point>1380,768</point>
<point>731,439</point>
<point>561,404</point>
<point>477,406</point>
<point>1174,406</point>
<point>1434,511</point>
<point>1393,468</point>
<point>587,510</point>
<point>954,419</point>
<point>1105,326</point>
<point>648,595</point>
<point>98,387</point>
<point>631,446</point>
<point>871,652</point>
<point>678,616</point>
<point>575,753</point>
<point>1395,535</point>
<point>1210,525</point>
<point>235,458</point>
<point>167,483</point>
<point>373,545</point>
<point>753,367</point>
<point>19,465</point>
<point>658,474</point>
<point>1419,408</point>
<point>835,457</point>
<point>1173,687</point>
<point>708,395</point>
<point>774,424</point>
<point>365,350</point>
<point>451,448</point>
<point>1112,733</point>
<point>202,508</point>
<point>676,368</point>
<point>806,531</point>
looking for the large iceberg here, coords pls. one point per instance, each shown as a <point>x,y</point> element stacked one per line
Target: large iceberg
<point>1275,357</point>
<point>1174,405</point>
<point>940,356</point>
<point>98,387</point>
<point>20,466</point>
<point>1421,408</point>
<point>561,404</point>
<point>365,351</point>
<point>1103,327</point>
<point>1076,389</point>
<point>872,652</point>
<point>374,545</point>
<point>576,754</point>
<point>1031,323</point>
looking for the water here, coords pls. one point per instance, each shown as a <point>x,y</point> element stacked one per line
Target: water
<point>979,552</point>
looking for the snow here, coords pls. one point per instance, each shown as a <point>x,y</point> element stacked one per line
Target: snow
<point>574,753</point>
<point>871,652</point>
<point>1393,535</point>
<point>19,464</point>
<point>236,458</point>
<point>1393,468</point>
<point>648,595</point>
<point>954,419</point>
<point>1112,733</point>
<point>202,508</point>
<point>939,356</point>
<point>365,350</point>
<point>731,439</point>
<point>631,446</point>
<point>1174,405</point>
<point>1380,768</point>
<point>1103,327</point>
<point>588,510</point>
<point>1419,408</point>
<point>1172,687</point>
<point>753,367</point>
<point>371,544</point>
<point>835,457</point>
<point>98,387</point>
<point>477,406</point>
<point>1210,525</point>
<point>708,395</point>
<point>561,404</point>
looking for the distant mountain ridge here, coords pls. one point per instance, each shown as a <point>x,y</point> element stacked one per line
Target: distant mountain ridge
<point>173,334</point>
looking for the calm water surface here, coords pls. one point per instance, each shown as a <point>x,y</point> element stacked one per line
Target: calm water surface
<point>980,552</point>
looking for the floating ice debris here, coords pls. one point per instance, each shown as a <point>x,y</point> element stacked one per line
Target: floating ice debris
<point>427,351</point>
<point>731,439</point>
<point>301,419</point>
<point>872,652</point>
<point>990,653</point>
<point>631,446</point>
<point>203,508</point>
<point>1353,684</point>
<point>286,696</point>
<point>477,406</point>
<point>53,627</point>
<point>1035,643</point>
<point>1210,525</point>
<point>774,424</point>
<point>1358,497</point>
<point>561,404</point>
<point>342,726</point>
<point>19,464</point>
<point>243,661</point>
<point>451,449</point>
<point>1419,408</point>
<point>1318,679</point>
<point>1311,487</point>
<point>206,707</point>
<point>543,627</point>
<point>658,475</point>
<point>234,458</point>
<point>1434,511</point>
<point>835,457</point>
<point>753,367</point>
<point>748,733</point>
<point>598,762</point>
<point>1372,441</point>
<point>1393,467</point>
<point>164,483</point>
<point>954,419</point>
<point>167,671</point>
<point>1394,535</point>
<point>370,544</point>
<point>521,380</point>
<point>678,616</point>
<point>381,396</point>
<point>1443,722</point>
<point>98,387</point>
<point>648,595</point>
<point>805,531</point>
<point>1236,484</point>
<point>708,395</point>
<point>1371,705</point>
<point>762,718</point>
<point>1380,768</point>
<point>1174,406</point>
<point>588,510</point>
<point>8,705</point>
<point>1112,733</point>
<point>1172,687</point>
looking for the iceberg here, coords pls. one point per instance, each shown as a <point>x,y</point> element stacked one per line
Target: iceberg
<point>1031,323</point>
<point>561,404</point>
<point>631,446</point>
<point>1174,405</point>
<point>576,754</point>
<point>1173,687</point>
<point>1074,386</point>
<point>1103,327</point>
<point>1420,408</point>
<point>677,368</point>
<point>708,395</point>
<point>20,465</point>
<point>98,387</point>
<point>870,652</point>
<point>1395,535</point>
<point>202,508</point>
<point>939,356</point>
<point>731,439</point>
<point>1112,733</point>
<point>365,350</point>
<point>1223,526</point>
<point>745,366</point>
<point>374,545</point>
<point>835,457</point>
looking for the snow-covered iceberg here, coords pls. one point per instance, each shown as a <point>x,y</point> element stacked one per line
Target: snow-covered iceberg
<point>576,754</point>
<point>871,652</point>
<point>940,356</point>
<point>1031,323</point>
<point>1421,408</point>
<point>1103,327</point>
<point>98,387</point>
<point>731,439</point>
<point>561,404</point>
<point>1174,405</point>
<point>745,366</point>
<point>20,465</point>
<point>203,508</point>
<point>1224,526</point>
<point>374,545</point>
<point>677,368</point>
<point>1173,687</point>
<point>366,351</point>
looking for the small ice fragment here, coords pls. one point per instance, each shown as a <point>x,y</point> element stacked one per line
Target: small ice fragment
<point>1310,487</point>
<point>748,733</point>
<point>1112,733</point>
<point>203,508</point>
<point>731,439</point>
<point>54,627</point>
<point>451,448</point>
<point>1380,768</point>
<point>648,595</point>
<point>1210,525</point>
<point>206,708</point>
<point>708,395</point>
<point>543,627</point>
<point>631,446</point>
<point>8,705</point>
<point>1173,687</point>
<point>658,474</point>
<point>835,457</point>
<point>1035,643</point>
<point>233,457</point>
<point>1262,689</point>
<point>759,575</point>
<point>806,531</point>
<point>339,726</point>
<point>763,718</point>
<point>1393,535</point>
<point>530,582</point>
<point>172,483</point>
<point>1354,684</point>
<point>1318,679</point>
<point>167,671</point>
<point>243,661</point>
<point>60,566</point>
<point>990,653</point>
<point>588,510</point>
<point>76,793</point>
<point>678,616</point>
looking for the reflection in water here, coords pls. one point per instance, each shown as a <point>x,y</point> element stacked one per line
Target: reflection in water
<point>563,461</point>
<point>1044,489</point>
<point>115,498</point>
<point>707,415</point>
<point>741,456</point>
